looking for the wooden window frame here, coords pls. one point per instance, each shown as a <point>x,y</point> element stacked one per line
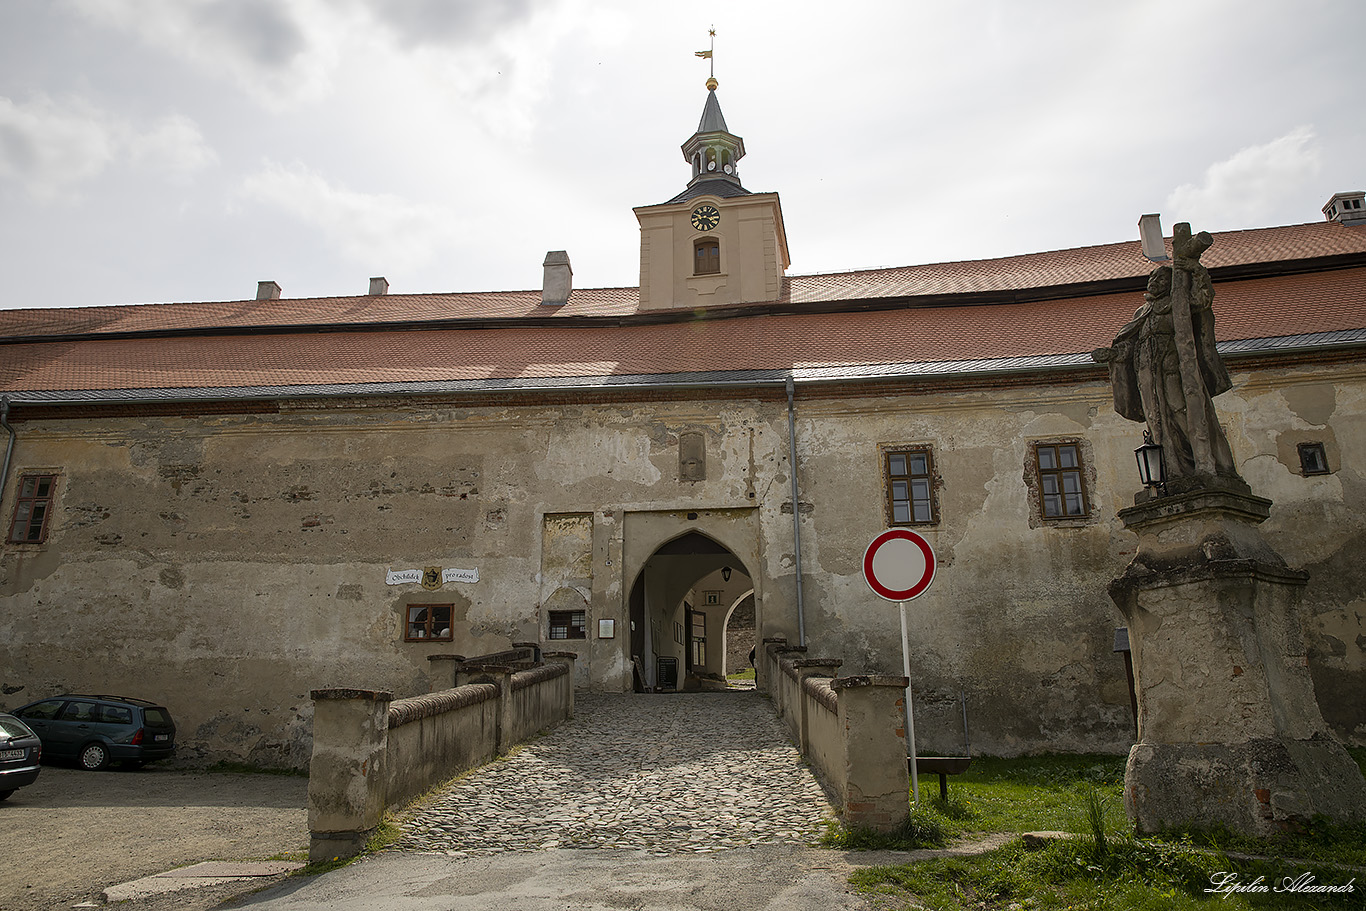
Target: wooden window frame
<point>697,644</point>
<point>412,623</point>
<point>1058,474</point>
<point>712,264</point>
<point>1313,453</point>
<point>908,476</point>
<point>28,493</point>
<point>573,624</point>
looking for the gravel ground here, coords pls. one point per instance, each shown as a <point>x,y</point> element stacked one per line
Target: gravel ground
<point>72,834</point>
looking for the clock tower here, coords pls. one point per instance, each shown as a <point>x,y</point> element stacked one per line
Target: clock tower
<point>715,243</point>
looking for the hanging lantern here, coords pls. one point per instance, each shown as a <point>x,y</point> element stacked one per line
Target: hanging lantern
<point>725,573</point>
<point>1150,468</point>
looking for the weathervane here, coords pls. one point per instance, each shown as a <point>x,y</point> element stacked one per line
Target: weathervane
<point>707,54</point>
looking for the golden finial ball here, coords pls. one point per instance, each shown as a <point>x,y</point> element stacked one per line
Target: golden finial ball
<point>712,83</point>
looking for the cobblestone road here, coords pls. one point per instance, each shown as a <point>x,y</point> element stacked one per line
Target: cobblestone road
<point>680,773</point>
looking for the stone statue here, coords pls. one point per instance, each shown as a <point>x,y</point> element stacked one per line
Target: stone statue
<point>1164,369</point>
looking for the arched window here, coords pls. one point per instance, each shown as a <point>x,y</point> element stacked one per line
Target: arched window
<point>707,257</point>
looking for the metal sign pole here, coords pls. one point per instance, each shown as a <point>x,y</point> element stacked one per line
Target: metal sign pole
<point>910,712</point>
<point>898,566</point>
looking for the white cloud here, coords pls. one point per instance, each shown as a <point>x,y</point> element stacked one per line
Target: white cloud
<point>49,148</point>
<point>418,22</point>
<point>174,146</point>
<point>380,229</point>
<point>1241,190</point>
<point>281,52</point>
<point>52,147</point>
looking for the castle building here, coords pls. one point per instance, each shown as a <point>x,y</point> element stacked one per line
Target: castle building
<point>225,505</point>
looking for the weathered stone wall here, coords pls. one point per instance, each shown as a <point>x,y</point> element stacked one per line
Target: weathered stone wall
<point>229,564</point>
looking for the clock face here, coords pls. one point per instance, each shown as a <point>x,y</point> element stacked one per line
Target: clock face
<point>704,218</point>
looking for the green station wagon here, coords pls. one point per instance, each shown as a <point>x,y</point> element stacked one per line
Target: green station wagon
<point>98,730</point>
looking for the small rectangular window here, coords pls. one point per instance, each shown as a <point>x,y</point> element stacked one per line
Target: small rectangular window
<point>1061,487</point>
<point>699,639</point>
<point>429,622</point>
<point>1313,458</point>
<point>708,257</point>
<point>32,508</point>
<point>568,624</point>
<point>909,486</point>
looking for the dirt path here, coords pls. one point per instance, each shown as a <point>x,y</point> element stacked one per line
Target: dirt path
<point>72,834</point>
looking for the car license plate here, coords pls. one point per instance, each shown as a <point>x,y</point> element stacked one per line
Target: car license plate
<point>162,737</point>
<point>11,754</point>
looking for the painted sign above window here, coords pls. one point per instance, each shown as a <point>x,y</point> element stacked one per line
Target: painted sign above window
<point>429,577</point>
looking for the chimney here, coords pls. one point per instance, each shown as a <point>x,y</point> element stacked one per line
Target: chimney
<point>1150,233</point>
<point>267,291</point>
<point>559,278</point>
<point>379,286</point>
<point>1346,208</point>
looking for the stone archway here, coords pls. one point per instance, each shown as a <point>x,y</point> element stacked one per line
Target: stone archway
<point>679,600</point>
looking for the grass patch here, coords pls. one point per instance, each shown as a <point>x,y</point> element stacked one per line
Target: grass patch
<point>747,674</point>
<point>1321,840</point>
<point>1029,794</point>
<point>1103,866</point>
<point>1138,874</point>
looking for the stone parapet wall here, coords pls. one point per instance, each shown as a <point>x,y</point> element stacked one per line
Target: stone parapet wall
<point>371,752</point>
<point>851,729</point>
<point>540,697</point>
<point>437,736</point>
<point>825,741</point>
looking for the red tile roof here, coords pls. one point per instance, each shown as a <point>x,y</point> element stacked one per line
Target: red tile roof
<point>1014,273</point>
<point>742,339</point>
<point>1257,308</point>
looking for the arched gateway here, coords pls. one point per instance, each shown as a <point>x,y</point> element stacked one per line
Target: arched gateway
<point>683,588</point>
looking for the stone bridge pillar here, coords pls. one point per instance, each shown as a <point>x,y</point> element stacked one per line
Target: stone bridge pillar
<point>346,777</point>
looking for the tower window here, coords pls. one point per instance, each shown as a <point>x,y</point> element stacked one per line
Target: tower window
<point>707,257</point>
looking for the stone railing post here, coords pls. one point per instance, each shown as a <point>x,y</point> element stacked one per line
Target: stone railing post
<point>500,675</point>
<point>346,775</point>
<point>565,658</point>
<point>762,655</point>
<point>872,717</point>
<point>441,672</point>
<point>782,685</point>
<point>810,667</point>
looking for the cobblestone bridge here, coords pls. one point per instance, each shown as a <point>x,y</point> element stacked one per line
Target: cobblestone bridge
<point>683,773</point>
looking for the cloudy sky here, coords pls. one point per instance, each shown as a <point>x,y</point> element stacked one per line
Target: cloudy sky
<point>182,150</point>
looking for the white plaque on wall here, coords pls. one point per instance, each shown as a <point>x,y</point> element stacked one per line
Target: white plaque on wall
<point>414,576</point>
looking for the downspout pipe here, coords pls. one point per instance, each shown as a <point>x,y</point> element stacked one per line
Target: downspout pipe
<point>9,447</point>
<point>796,510</point>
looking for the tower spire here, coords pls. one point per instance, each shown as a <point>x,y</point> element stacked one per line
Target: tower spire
<point>713,151</point>
<point>709,54</point>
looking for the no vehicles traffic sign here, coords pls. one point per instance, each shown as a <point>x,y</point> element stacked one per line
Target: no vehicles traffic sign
<point>899,564</point>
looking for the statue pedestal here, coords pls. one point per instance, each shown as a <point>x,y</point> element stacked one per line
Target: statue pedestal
<point>1229,730</point>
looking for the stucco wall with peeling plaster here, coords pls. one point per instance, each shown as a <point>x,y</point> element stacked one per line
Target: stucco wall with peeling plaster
<point>226,565</point>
